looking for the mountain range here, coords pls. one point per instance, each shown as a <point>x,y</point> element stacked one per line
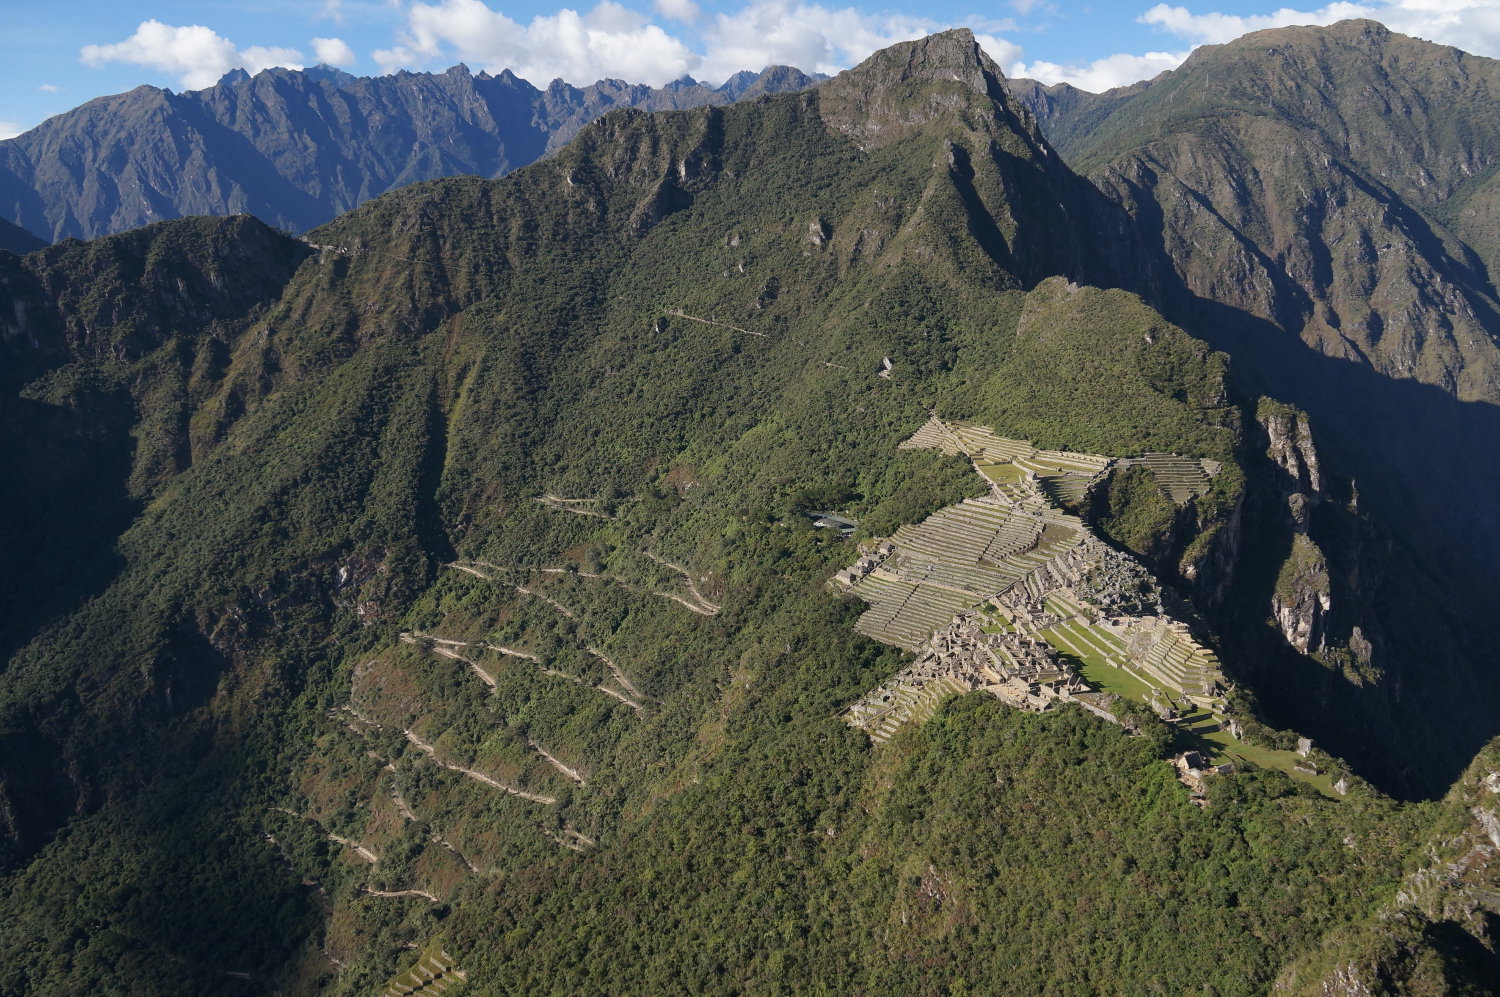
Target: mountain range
<point>445,599</point>
<point>297,147</point>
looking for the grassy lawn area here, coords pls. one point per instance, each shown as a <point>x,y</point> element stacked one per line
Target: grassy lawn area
<point>1001,474</point>
<point>1220,746</point>
<point>1223,747</point>
<point>1057,607</point>
<point>1096,671</point>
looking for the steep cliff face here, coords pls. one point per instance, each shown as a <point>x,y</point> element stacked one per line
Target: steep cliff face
<point>297,148</point>
<point>1336,628</point>
<point>1319,194</point>
<point>1302,595</point>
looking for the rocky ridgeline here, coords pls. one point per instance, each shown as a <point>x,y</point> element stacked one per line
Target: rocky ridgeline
<point>989,591</point>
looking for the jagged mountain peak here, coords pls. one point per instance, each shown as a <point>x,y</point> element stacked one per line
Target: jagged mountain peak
<point>948,55</point>
<point>911,83</point>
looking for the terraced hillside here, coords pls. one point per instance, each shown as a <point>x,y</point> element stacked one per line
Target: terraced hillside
<point>454,740</point>
<point>1015,562</point>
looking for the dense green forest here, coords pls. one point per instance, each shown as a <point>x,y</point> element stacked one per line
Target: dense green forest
<point>445,580</point>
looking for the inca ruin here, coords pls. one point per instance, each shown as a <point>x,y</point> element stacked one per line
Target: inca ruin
<point>1012,594</point>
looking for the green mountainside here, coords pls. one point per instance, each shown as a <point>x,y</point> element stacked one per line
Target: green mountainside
<point>434,604</point>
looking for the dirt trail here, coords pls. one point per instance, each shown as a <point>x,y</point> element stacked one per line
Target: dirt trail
<point>614,670</point>
<point>571,773</point>
<point>571,505</point>
<point>687,605</point>
<point>710,608</point>
<point>403,809</point>
<point>431,752</point>
<point>557,839</point>
<point>500,649</point>
<point>634,693</point>
<point>440,840</point>
<point>484,676</point>
<point>621,697</point>
<point>548,600</point>
<point>349,708</point>
<point>401,893</point>
<point>364,852</point>
<point>445,648</point>
<point>709,321</point>
<point>433,638</point>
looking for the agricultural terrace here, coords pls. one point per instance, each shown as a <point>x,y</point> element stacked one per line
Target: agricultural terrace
<point>433,974</point>
<point>979,587</point>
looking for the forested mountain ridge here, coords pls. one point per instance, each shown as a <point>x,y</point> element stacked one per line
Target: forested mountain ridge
<point>442,587</point>
<point>295,148</point>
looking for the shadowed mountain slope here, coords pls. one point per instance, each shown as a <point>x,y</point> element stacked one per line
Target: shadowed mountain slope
<point>1336,181</point>
<point>1321,194</point>
<point>17,239</point>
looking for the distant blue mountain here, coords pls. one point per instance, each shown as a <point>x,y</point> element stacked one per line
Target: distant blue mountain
<point>297,148</point>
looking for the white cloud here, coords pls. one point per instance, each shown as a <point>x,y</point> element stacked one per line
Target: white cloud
<point>611,40</point>
<point>9,129</point>
<point>332,52</point>
<point>333,11</point>
<point>608,41</point>
<point>196,55</point>
<point>685,11</point>
<point>811,37</point>
<point>1006,53</point>
<point>50,88</point>
<point>1116,70</point>
<point>1214,28</point>
<point>258,57</point>
<point>1472,25</point>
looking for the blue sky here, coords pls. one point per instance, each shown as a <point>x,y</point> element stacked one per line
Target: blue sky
<point>56,56</point>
